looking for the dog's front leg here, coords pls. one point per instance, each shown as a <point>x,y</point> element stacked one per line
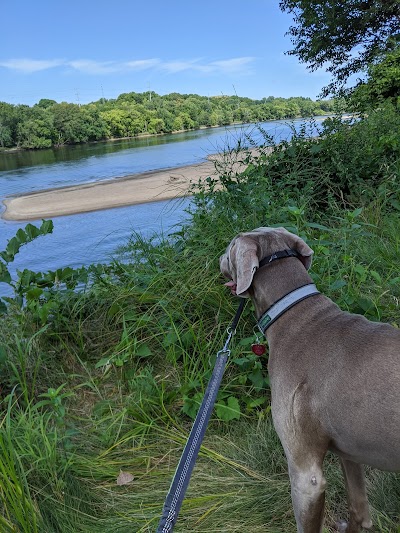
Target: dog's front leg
<point>357,496</point>
<point>308,493</point>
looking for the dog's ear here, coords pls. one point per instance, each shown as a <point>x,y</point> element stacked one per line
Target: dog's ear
<point>244,255</point>
<point>297,243</point>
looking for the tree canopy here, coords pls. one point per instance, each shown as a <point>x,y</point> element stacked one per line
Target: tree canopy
<point>381,86</point>
<point>49,123</point>
<point>344,36</point>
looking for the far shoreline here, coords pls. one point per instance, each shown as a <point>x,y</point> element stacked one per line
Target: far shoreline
<point>17,149</point>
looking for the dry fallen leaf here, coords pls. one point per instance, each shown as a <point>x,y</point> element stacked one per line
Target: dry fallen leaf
<point>124,478</point>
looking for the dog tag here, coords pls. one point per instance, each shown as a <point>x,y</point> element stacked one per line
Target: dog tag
<point>258,349</point>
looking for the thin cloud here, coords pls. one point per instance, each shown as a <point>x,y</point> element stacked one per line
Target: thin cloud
<point>88,66</point>
<point>234,65</point>
<point>28,66</point>
<point>142,64</point>
<point>237,65</point>
<point>178,66</point>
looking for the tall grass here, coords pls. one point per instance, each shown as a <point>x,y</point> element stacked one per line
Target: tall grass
<point>111,381</point>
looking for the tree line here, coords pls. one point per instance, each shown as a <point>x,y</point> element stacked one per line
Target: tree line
<point>49,123</point>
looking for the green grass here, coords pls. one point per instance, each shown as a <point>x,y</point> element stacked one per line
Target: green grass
<point>108,379</point>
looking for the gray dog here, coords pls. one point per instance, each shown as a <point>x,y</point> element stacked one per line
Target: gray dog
<point>335,377</point>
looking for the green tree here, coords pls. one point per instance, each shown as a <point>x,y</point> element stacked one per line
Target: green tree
<point>69,124</point>
<point>156,125</point>
<point>227,117</point>
<point>292,109</point>
<point>382,85</point>
<point>95,126</point>
<point>187,122</point>
<point>7,125</point>
<point>118,123</point>
<point>178,124</point>
<point>345,35</point>
<point>45,103</point>
<point>36,130</point>
<point>204,118</point>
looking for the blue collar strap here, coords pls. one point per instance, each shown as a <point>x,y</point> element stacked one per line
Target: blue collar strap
<point>285,303</point>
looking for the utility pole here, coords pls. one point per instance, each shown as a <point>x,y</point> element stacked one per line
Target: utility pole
<point>237,98</point>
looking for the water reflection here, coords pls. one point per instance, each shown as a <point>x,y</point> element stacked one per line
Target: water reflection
<point>29,158</point>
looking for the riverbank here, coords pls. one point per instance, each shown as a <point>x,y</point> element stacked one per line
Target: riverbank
<point>117,192</point>
<point>133,189</point>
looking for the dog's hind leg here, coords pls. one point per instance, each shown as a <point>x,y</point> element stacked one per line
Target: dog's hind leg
<point>308,493</point>
<point>305,446</point>
<point>356,495</point>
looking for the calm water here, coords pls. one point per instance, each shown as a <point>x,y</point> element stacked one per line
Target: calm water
<point>93,237</point>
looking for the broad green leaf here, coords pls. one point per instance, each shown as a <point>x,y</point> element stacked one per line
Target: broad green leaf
<point>46,227</point>
<point>366,304</point>
<point>395,203</point>
<point>357,212</point>
<point>191,405</point>
<point>242,362</point>
<point>103,362</point>
<point>5,276</point>
<point>170,338</point>
<point>228,410</point>
<point>32,231</point>
<point>374,274</point>
<point>13,246</point>
<point>34,294</point>
<point>256,403</point>
<point>318,226</point>
<point>7,257</point>
<point>338,284</point>
<point>143,351</point>
<point>21,236</point>
<point>257,379</point>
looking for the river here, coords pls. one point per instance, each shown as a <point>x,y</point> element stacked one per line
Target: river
<point>94,237</point>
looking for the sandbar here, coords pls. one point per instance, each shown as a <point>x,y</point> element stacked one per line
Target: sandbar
<point>116,192</point>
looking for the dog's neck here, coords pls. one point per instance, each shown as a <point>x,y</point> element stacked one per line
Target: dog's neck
<point>277,279</point>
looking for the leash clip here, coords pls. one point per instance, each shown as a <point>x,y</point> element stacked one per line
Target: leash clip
<point>225,349</point>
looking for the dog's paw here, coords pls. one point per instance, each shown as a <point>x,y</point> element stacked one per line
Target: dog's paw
<point>341,526</point>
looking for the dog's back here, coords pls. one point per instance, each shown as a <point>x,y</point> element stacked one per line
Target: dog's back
<point>352,370</point>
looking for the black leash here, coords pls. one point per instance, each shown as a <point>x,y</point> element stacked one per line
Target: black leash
<point>187,461</point>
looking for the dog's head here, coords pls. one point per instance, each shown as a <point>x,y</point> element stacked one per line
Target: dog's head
<point>243,255</point>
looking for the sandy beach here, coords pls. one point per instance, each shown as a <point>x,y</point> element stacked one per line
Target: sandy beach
<point>128,190</point>
<point>152,186</point>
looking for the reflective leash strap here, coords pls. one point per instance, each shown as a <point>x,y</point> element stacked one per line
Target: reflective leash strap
<point>187,461</point>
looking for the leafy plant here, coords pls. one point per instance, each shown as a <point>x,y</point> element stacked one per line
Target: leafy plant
<point>21,238</point>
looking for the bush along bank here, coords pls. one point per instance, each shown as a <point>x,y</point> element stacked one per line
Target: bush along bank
<point>106,379</point>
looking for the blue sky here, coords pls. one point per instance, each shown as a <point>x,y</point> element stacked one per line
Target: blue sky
<point>79,51</point>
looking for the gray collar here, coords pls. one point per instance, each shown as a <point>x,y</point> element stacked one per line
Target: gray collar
<point>285,303</point>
